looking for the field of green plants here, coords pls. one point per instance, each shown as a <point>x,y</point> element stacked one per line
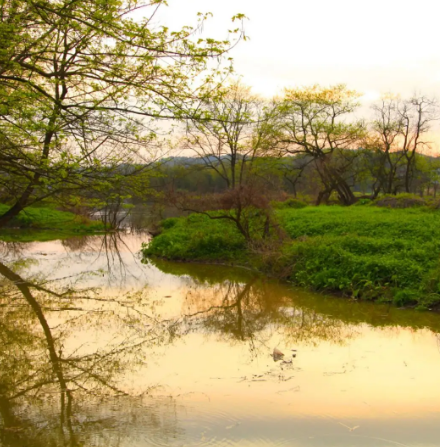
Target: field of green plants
<point>41,223</point>
<point>363,252</point>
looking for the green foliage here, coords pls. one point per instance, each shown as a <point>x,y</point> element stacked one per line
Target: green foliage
<point>409,224</point>
<point>77,76</point>
<point>195,238</point>
<point>289,203</point>
<point>38,218</point>
<point>405,297</point>
<point>169,223</point>
<point>365,252</point>
<point>360,267</point>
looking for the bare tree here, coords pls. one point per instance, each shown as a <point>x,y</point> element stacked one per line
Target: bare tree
<point>237,127</point>
<point>399,133</point>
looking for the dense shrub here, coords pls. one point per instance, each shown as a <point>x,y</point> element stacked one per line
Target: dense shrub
<point>169,223</point>
<point>289,203</point>
<point>400,201</point>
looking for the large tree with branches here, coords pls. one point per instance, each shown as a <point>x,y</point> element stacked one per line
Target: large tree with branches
<point>236,128</point>
<point>81,82</point>
<point>314,122</point>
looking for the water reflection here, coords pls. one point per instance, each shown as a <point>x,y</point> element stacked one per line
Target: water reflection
<point>12,249</point>
<point>110,248</point>
<point>99,349</point>
<point>238,302</point>
<point>47,373</point>
<point>250,311</point>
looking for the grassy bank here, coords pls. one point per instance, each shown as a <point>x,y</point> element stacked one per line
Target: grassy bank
<point>37,223</point>
<point>364,252</point>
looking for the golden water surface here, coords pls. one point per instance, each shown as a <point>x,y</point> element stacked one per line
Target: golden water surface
<point>100,349</point>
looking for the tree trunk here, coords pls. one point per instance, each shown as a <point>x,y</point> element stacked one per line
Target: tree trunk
<point>323,196</point>
<point>266,230</point>
<point>19,205</point>
<point>23,200</point>
<point>408,173</point>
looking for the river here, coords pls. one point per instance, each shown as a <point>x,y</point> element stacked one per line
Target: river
<point>100,349</point>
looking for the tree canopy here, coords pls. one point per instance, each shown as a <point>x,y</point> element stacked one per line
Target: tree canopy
<point>80,82</point>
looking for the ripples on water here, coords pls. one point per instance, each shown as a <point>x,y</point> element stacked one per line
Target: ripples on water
<point>99,349</point>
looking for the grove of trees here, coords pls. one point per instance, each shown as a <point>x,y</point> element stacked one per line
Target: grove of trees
<point>87,90</point>
<point>308,142</point>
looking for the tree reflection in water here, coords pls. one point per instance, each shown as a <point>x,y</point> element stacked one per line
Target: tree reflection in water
<point>43,373</point>
<point>110,247</point>
<point>248,307</point>
<point>68,346</point>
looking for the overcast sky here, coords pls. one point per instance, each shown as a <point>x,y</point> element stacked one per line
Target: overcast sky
<point>374,46</point>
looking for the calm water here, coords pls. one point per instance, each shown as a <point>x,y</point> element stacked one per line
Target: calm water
<point>98,349</point>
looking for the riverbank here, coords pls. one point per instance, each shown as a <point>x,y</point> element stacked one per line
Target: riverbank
<point>362,252</point>
<point>41,224</point>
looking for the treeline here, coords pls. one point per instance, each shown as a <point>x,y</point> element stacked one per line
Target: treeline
<point>308,142</point>
<point>297,176</point>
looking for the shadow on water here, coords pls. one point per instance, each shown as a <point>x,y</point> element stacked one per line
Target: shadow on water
<point>89,336</point>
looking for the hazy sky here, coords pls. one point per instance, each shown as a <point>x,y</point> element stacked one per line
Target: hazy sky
<point>373,46</point>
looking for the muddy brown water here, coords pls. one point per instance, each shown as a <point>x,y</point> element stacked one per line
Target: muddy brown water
<point>100,349</point>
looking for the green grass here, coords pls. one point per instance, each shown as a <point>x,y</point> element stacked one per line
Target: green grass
<point>365,252</point>
<point>197,238</point>
<point>36,223</point>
